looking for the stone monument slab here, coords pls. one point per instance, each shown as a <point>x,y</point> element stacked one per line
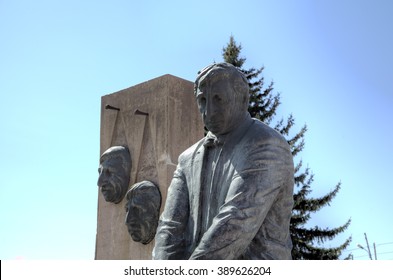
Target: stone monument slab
<point>156,120</point>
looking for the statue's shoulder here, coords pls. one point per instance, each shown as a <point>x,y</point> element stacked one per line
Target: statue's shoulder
<point>263,132</point>
<point>189,153</point>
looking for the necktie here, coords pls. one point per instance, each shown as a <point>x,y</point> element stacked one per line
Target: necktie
<point>211,141</point>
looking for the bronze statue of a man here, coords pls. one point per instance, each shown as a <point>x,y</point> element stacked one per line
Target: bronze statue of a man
<point>231,195</point>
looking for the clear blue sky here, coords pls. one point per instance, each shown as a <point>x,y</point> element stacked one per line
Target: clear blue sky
<point>332,62</point>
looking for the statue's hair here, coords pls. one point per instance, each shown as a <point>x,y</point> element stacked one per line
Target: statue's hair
<point>227,72</point>
<point>118,152</point>
<point>145,192</point>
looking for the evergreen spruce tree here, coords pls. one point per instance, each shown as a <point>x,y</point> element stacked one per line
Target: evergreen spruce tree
<point>307,242</point>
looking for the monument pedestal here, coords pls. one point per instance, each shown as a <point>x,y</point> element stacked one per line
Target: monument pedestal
<point>157,120</point>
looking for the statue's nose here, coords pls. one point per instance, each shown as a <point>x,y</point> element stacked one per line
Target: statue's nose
<point>101,179</point>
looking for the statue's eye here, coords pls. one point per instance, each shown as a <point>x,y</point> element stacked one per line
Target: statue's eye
<point>110,171</point>
<point>217,98</point>
<point>201,100</point>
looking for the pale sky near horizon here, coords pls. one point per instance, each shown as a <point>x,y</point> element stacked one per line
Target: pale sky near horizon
<point>331,61</point>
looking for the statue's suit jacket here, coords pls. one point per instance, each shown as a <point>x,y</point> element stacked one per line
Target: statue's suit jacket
<point>255,197</point>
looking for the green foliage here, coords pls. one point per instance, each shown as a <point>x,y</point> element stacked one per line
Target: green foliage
<point>263,105</point>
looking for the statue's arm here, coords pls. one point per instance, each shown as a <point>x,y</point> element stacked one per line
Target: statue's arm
<point>169,240</point>
<point>250,197</point>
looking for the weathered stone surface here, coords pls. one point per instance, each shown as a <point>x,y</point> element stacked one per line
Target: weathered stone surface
<point>232,193</point>
<point>156,120</point>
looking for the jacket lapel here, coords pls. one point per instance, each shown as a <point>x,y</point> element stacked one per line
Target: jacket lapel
<point>195,191</point>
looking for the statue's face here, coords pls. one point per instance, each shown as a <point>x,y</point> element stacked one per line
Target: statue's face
<point>113,180</point>
<point>217,104</point>
<point>138,220</point>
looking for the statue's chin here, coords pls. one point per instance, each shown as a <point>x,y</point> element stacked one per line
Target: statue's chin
<point>113,195</point>
<point>136,237</point>
<point>108,197</point>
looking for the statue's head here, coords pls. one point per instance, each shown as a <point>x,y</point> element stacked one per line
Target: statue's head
<point>222,94</point>
<point>143,210</point>
<point>114,173</point>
